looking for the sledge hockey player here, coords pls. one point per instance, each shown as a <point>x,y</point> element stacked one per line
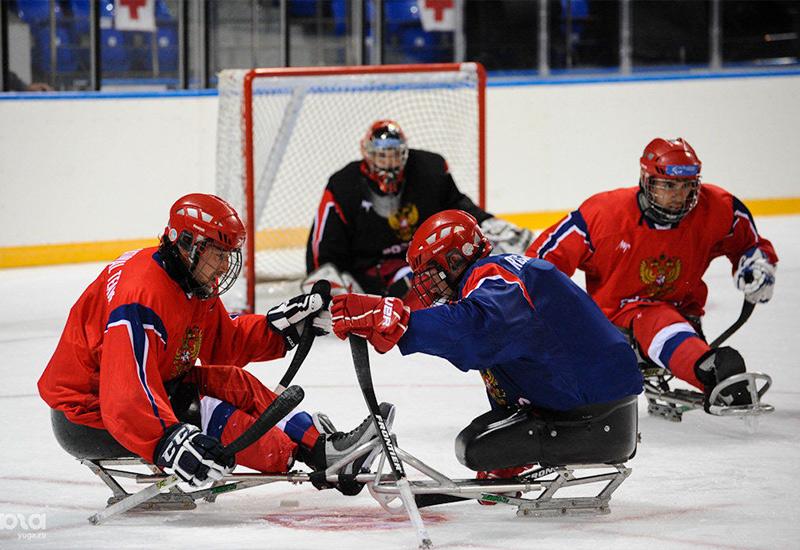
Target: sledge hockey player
<point>124,380</point>
<point>371,208</point>
<point>545,351</point>
<point>644,251</point>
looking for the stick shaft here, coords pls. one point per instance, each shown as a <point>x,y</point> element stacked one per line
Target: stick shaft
<point>358,347</point>
<point>747,310</point>
<point>323,288</point>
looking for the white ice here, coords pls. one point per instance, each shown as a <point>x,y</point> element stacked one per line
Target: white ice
<point>707,482</point>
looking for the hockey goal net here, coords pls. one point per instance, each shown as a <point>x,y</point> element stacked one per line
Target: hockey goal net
<point>281,133</point>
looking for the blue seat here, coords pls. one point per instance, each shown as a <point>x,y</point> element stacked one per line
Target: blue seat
<point>35,12</point>
<point>302,8</point>
<point>420,46</point>
<point>167,40</point>
<point>67,55</point>
<point>114,52</point>
<point>398,13</point>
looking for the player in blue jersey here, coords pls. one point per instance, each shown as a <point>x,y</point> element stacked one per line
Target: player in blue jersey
<point>538,340</point>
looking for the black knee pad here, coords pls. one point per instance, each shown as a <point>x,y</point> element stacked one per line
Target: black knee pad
<point>185,400</point>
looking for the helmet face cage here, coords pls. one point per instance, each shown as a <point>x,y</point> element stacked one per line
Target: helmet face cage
<point>655,190</point>
<point>432,287</point>
<point>385,151</point>
<point>213,268</point>
<point>436,285</point>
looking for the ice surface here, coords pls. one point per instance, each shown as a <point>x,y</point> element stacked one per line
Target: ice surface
<point>704,483</point>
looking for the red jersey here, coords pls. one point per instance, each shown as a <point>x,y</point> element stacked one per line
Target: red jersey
<point>630,260</point>
<point>133,329</point>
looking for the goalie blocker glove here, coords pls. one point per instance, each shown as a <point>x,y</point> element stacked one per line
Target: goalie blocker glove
<point>506,238</point>
<point>755,276</point>
<point>196,458</point>
<point>288,317</point>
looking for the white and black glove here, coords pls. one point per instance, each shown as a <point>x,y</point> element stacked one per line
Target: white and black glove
<point>196,458</point>
<point>506,238</point>
<point>755,276</point>
<point>288,317</point>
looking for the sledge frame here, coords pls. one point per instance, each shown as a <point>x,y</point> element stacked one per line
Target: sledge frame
<point>383,486</point>
<point>670,403</point>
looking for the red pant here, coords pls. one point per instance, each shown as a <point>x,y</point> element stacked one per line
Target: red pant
<point>274,450</point>
<point>666,337</point>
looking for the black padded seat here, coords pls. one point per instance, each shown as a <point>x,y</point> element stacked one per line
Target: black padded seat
<point>85,442</point>
<point>604,433</point>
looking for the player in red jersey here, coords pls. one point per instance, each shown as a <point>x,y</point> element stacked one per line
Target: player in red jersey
<point>644,251</point>
<point>123,379</point>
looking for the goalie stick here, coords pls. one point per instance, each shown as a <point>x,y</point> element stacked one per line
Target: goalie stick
<point>277,410</point>
<point>323,288</point>
<point>358,347</point>
<point>747,310</point>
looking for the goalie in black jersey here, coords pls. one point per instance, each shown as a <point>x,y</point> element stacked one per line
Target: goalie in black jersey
<point>371,208</point>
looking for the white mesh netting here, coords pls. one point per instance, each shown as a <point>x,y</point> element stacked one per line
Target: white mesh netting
<point>307,127</point>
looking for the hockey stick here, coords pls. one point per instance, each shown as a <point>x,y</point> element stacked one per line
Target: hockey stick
<point>358,347</point>
<point>323,288</point>
<point>277,410</point>
<point>747,310</point>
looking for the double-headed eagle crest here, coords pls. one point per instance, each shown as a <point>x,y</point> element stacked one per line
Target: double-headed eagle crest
<point>659,274</point>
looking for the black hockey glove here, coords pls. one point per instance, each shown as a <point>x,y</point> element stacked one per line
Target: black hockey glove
<point>194,457</point>
<point>288,317</point>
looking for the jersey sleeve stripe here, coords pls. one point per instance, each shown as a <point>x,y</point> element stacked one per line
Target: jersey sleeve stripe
<point>320,220</point>
<point>741,213</point>
<point>573,223</point>
<point>493,272</point>
<point>138,319</point>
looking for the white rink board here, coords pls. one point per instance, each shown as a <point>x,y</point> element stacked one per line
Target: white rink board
<point>703,484</point>
<point>89,170</point>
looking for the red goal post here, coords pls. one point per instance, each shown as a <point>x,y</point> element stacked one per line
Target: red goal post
<point>282,132</point>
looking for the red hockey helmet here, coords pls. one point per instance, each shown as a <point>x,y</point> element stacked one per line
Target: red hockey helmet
<point>209,236</point>
<point>443,247</point>
<point>385,153</point>
<point>669,179</point>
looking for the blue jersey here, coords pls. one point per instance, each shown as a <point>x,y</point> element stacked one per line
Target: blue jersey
<point>535,336</point>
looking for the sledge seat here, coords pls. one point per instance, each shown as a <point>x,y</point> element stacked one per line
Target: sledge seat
<point>85,442</point>
<point>604,433</point>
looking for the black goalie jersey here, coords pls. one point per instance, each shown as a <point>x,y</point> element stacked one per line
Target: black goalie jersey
<point>366,233</point>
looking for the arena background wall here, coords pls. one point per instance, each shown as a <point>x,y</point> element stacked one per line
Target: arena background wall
<point>84,177</point>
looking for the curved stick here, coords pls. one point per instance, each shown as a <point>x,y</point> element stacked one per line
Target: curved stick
<point>747,310</point>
